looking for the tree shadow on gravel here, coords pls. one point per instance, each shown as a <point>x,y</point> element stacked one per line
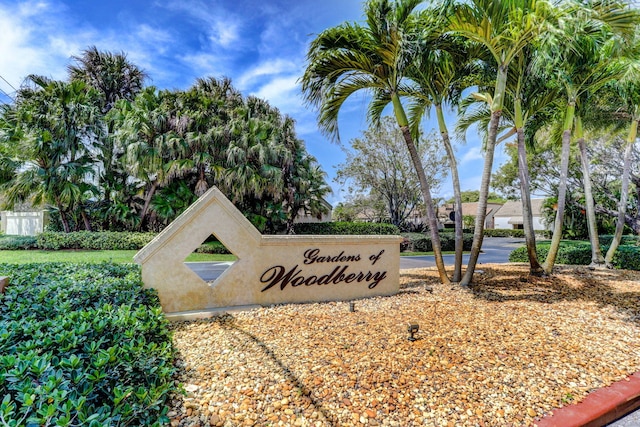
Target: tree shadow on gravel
<point>229,323</point>
<point>567,284</point>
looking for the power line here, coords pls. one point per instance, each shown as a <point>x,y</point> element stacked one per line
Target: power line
<point>10,85</point>
<point>7,95</point>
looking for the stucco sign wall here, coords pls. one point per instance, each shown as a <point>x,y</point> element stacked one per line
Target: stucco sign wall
<point>269,269</point>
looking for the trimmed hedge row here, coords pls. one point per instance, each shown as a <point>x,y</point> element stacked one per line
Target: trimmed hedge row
<point>214,247</point>
<point>626,257</point>
<point>421,242</point>
<point>101,240</point>
<point>346,228</point>
<point>627,240</point>
<point>83,345</point>
<point>17,242</point>
<point>503,232</point>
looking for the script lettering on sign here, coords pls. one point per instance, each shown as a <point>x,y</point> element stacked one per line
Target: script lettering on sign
<point>342,271</point>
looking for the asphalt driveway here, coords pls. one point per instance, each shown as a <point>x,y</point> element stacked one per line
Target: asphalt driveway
<point>495,250</point>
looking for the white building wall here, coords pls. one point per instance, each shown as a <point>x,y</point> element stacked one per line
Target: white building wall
<point>502,222</point>
<point>538,223</point>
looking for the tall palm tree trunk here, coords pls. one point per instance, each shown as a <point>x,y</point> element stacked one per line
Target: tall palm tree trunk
<point>478,232</point>
<point>525,194</point>
<point>147,202</point>
<point>527,212</point>
<point>432,218</point>
<point>624,191</point>
<point>562,190</point>
<point>459,236</point>
<point>597,260</point>
<point>85,219</point>
<point>64,220</point>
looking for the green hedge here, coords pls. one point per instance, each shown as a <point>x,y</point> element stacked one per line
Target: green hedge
<point>82,345</point>
<point>627,256</point>
<point>11,243</point>
<point>101,240</point>
<point>213,247</point>
<point>627,240</point>
<point>349,228</point>
<point>421,242</point>
<point>503,232</point>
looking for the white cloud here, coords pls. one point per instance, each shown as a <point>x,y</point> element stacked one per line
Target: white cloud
<point>32,8</point>
<point>205,64</point>
<point>282,92</point>
<point>266,68</point>
<point>225,34</point>
<point>473,154</point>
<point>223,27</point>
<point>149,36</point>
<point>28,44</point>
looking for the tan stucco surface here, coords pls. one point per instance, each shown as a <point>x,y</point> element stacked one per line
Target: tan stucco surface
<point>270,269</point>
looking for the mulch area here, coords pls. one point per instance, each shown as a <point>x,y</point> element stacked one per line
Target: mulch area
<point>503,352</point>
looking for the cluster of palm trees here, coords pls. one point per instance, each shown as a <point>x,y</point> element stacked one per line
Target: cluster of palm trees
<point>513,68</point>
<point>105,151</point>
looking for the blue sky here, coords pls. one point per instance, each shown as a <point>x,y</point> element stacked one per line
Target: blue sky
<point>260,45</point>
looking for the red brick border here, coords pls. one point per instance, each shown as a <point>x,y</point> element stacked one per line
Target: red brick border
<point>600,407</point>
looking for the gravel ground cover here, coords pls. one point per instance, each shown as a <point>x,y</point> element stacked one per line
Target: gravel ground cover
<point>504,352</point>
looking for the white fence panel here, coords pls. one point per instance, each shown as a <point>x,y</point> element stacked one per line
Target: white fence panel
<point>23,223</point>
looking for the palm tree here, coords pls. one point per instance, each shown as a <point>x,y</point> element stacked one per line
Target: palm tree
<point>504,28</point>
<point>372,57</point>
<point>537,101</point>
<point>51,122</point>
<point>529,103</point>
<point>112,75</point>
<point>440,72</point>
<point>582,65</point>
<point>147,134</point>
<point>209,107</point>
<point>114,78</point>
<point>629,91</point>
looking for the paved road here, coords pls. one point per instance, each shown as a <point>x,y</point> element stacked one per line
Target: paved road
<point>630,420</point>
<point>494,250</point>
<point>208,271</point>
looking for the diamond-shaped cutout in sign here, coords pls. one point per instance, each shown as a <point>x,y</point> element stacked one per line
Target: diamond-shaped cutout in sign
<point>269,269</point>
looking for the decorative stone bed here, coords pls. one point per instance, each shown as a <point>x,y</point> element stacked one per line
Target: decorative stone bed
<point>502,353</point>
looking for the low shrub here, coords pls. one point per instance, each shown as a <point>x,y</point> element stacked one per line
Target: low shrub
<point>101,240</point>
<point>213,247</point>
<point>421,242</point>
<point>627,240</point>
<point>626,257</point>
<point>12,243</point>
<point>346,228</point>
<point>503,232</point>
<point>82,345</point>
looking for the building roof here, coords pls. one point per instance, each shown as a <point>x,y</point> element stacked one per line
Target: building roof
<point>469,208</point>
<point>514,208</point>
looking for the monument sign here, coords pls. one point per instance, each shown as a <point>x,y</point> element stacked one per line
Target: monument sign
<point>269,269</point>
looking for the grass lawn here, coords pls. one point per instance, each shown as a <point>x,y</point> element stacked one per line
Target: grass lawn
<point>23,257</point>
